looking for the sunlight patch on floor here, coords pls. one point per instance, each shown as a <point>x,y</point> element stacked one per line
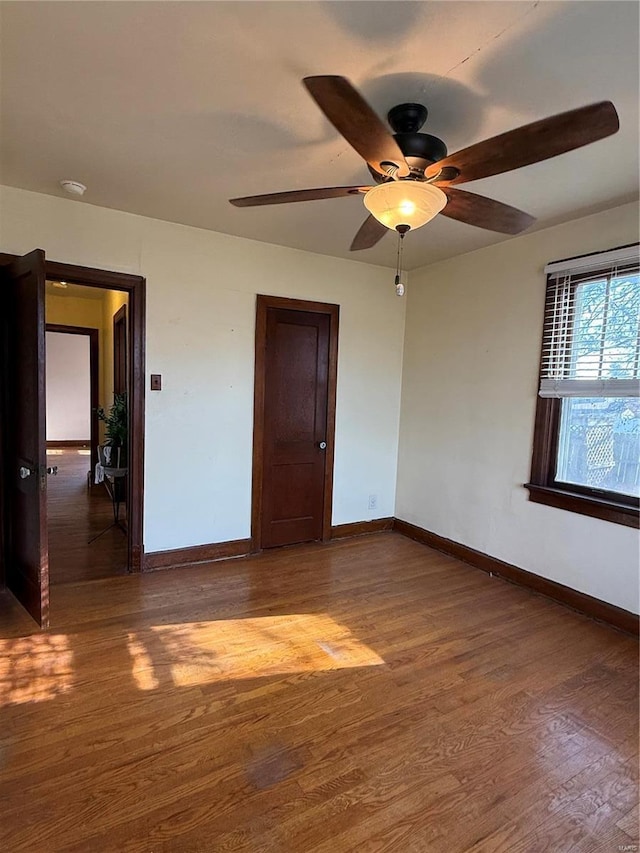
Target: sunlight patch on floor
<point>35,669</point>
<point>143,672</point>
<point>203,652</point>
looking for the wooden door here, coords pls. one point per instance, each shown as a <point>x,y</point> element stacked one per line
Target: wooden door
<point>298,368</point>
<point>26,548</point>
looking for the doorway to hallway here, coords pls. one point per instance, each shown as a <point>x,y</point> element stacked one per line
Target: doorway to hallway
<point>27,470</point>
<point>85,368</point>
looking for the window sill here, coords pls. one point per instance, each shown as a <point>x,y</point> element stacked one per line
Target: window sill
<point>607,510</point>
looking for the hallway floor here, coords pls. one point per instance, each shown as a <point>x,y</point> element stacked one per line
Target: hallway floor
<point>76,514</point>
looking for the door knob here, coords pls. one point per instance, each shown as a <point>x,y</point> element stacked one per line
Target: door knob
<point>53,470</point>
<point>322,445</point>
<point>24,472</point>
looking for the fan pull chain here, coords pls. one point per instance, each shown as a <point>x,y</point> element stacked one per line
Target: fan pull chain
<point>398,283</point>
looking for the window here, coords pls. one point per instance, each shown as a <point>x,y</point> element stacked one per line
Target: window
<point>586,454</point>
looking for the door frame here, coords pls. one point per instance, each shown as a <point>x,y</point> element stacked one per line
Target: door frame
<point>135,287</point>
<point>94,370</point>
<point>263,304</point>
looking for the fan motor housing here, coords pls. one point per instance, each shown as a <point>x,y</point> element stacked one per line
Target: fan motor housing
<point>420,149</point>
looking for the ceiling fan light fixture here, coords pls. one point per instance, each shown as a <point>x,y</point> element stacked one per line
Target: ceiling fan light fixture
<point>408,203</point>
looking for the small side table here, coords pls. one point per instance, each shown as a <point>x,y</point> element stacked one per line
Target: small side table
<point>114,484</point>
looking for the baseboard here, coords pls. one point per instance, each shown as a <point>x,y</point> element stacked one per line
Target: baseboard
<point>196,554</point>
<point>241,547</point>
<point>72,442</point>
<point>360,528</point>
<point>593,607</point>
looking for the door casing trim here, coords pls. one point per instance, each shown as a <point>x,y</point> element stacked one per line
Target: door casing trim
<point>263,303</point>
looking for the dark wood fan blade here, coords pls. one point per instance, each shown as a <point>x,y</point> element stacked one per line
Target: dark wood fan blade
<point>485,212</point>
<point>352,116</point>
<point>369,233</point>
<point>297,195</point>
<point>530,144</point>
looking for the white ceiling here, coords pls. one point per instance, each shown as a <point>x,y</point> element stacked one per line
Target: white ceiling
<point>167,109</point>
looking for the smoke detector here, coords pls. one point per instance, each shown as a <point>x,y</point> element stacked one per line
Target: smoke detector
<point>73,188</point>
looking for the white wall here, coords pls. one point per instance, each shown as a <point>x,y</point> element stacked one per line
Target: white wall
<point>472,349</point>
<point>201,289</point>
<point>68,387</point>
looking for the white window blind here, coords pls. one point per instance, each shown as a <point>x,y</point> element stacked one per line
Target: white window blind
<point>591,338</point>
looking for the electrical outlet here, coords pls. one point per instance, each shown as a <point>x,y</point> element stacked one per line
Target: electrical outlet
<point>373,502</point>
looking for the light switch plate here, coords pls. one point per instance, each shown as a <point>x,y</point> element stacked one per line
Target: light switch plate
<point>156,382</point>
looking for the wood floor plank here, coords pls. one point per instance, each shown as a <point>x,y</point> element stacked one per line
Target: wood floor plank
<point>365,695</point>
<point>630,822</point>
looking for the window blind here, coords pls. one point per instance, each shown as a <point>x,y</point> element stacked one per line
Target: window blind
<point>591,337</point>
<point>599,260</point>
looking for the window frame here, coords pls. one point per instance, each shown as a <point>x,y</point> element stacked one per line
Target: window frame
<point>544,488</point>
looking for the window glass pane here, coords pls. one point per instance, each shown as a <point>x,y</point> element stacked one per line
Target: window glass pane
<point>606,328</point>
<point>600,443</point>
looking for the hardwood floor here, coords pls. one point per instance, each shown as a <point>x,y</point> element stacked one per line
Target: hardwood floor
<point>75,514</point>
<point>366,695</point>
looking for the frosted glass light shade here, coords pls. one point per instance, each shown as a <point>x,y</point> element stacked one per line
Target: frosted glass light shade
<point>404,203</point>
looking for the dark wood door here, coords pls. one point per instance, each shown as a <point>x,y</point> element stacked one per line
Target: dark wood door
<point>27,553</point>
<point>296,393</point>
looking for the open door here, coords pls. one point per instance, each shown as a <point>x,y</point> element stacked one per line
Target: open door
<point>25,458</point>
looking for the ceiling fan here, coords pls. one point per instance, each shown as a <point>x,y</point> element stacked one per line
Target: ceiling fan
<point>414,175</point>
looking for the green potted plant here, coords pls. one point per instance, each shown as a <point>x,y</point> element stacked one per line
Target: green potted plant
<point>116,423</point>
